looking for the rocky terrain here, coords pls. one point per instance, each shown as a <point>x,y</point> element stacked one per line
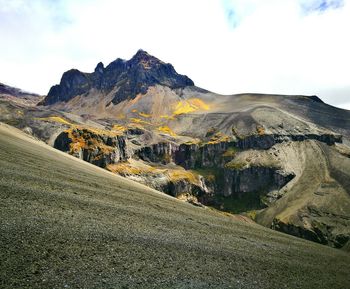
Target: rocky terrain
<point>17,95</point>
<point>284,161</point>
<point>65,223</point>
<point>131,77</point>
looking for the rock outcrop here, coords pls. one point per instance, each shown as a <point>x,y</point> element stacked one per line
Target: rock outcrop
<point>268,140</point>
<point>259,180</point>
<point>163,153</point>
<point>128,78</point>
<point>97,148</point>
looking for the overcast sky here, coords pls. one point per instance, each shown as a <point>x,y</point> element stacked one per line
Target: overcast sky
<point>230,46</point>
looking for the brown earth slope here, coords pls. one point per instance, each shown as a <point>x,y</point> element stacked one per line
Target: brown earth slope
<point>67,224</point>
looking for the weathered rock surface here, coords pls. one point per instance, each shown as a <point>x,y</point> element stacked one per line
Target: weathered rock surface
<point>259,180</point>
<point>268,140</point>
<point>98,149</point>
<point>128,78</point>
<point>16,95</point>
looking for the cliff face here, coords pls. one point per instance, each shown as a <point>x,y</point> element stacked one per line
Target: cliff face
<point>128,78</point>
<point>234,175</point>
<point>99,149</point>
<point>267,141</point>
<point>259,180</point>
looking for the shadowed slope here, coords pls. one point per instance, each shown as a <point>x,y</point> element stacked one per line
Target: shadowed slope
<point>19,96</point>
<point>68,224</point>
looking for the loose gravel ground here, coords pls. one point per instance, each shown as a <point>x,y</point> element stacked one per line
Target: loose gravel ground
<point>67,224</point>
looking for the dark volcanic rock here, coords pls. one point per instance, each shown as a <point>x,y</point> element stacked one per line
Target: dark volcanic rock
<point>318,232</point>
<point>158,153</point>
<point>268,140</point>
<point>97,149</point>
<point>130,77</point>
<point>260,180</point>
<point>192,156</point>
<point>73,83</point>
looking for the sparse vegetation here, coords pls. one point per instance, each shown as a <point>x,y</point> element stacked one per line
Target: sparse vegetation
<point>168,117</point>
<point>126,168</point>
<point>234,165</point>
<point>210,174</point>
<point>177,175</point>
<point>210,132</point>
<point>251,214</point>
<point>167,130</point>
<point>260,130</point>
<point>58,119</point>
<point>218,138</point>
<point>145,115</point>
<point>190,105</point>
<point>139,121</point>
<point>230,152</point>
<point>119,128</point>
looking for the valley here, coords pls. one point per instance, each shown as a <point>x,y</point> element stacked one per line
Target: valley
<point>282,161</point>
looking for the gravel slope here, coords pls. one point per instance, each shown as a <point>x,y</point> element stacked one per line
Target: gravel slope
<point>67,224</point>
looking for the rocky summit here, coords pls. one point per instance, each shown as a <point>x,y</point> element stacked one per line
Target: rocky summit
<point>126,78</point>
<point>280,160</point>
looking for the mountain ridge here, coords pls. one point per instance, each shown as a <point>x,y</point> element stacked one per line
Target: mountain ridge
<point>18,95</point>
<point>132,77</point>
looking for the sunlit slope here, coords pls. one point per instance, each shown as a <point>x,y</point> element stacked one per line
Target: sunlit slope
<point>67,224</point>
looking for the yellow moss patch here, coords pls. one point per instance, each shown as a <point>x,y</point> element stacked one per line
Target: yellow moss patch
<point>183,107</point>
<point>146,115</point>
<point>190,105</point>
<point>251,214</point>
<point>178,175</point>
<point>135,125</point>
<point>168,117</point>
<point>167,130</point>
<point>118,128</point>
<point>199,103</point>
<point>236,165</point>
<point>105,132</point>
<point>218,138</point>
<point>79,141</point>
<point>193,142</point>
<point>134,110</point>
<point>260,130</point>
<point>120,116</point>
<point>139,121</point>
<point>55,119</point>
<point>126,168</point>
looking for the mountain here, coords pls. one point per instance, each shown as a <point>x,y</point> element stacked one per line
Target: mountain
<point>124,79</point>
<point>283,161</point>
<point>19,96</point>
<point>68,224</point>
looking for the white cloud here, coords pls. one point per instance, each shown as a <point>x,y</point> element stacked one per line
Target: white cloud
<point>272,47</point>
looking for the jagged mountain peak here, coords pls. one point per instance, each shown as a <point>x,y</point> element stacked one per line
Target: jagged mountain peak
<point>145,59</point>
<point>99,68</point>
<point>128,78</point>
